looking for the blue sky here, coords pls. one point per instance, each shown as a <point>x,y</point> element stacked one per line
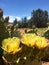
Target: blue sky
<point>21,8</point>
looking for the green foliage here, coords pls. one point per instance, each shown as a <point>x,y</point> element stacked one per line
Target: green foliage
<point>3,31</point>
<point>46,34</point>
<point>40,18</point>
<point>24,22</point>
<point>15,22</point>
<point>30,23</point>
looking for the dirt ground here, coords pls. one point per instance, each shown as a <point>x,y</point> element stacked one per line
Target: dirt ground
<point>45,63</point>
<point>1,61</point>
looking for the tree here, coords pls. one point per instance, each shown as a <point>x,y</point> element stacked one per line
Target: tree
<point>24,22</point>
<point>20,24</point>
<point>45,17</point>
<point>15,22</point>
<point>40,18</point>
<point>30,23</point>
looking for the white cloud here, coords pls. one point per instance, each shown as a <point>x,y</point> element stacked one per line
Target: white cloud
<point>12,18</point>
<point>29,17</point>
<point>18,18</point>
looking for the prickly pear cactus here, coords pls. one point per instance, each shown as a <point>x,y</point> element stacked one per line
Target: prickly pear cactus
<point>46,33</point>
<point>3,31</point>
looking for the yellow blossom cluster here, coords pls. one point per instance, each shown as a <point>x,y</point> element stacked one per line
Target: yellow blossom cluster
<point>11,45</point>
<point>32,40</point>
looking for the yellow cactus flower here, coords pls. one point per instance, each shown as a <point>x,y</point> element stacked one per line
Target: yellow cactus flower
<point>11,45</point>
<point>41,42</point>
<point>32,39</point>
<point>29,39</point>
